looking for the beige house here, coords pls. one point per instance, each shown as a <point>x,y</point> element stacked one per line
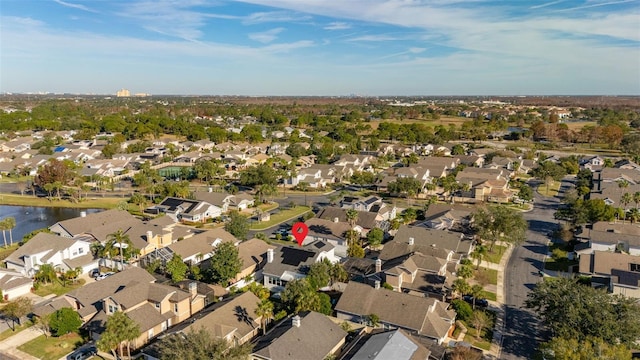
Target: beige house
<point>253,254</point>
<point>154,307</point>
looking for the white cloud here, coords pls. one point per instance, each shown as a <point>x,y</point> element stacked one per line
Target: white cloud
<point>266,37</point>
<point>75,6</point>
<point>337,26</point>
<point>274,16</point>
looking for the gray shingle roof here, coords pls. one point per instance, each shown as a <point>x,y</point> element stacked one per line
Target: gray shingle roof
<point>111,219</point>
<point>399,309</point>
<point>237,314</point>
<point>366,219</point>
<point>314,339</point>
<point>395,344</point>
<point>424,239</point>
<point>201,243</point>
<point>295,259</point>
<point>40,243</point>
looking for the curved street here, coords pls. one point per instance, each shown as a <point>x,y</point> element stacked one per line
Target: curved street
<point>522,332</point>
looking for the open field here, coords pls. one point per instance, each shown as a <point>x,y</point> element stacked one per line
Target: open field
<point>444,120</point>
<point>281,217</point>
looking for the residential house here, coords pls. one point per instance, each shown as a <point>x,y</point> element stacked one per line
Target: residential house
<point>307,335</point>
<point>234,319</point>
<point>411,239</point>
<point>621,271</point>
<point>330,231</point>
<point>420,274</point>
<point>222,200</point>
<point>153,307</point>
<point>286,263</point>
<point>484,185</point>
<point>253,254</point>
<point>393,344</point>
<point>112,220</point>
<point>451,217</point>
<point>60,252</point>
<point>188,210</point>
<point>366,220</point>
<point>360,204</point>
<point>417,315</point>
<point>605,236</point>
<point>612,194</point>
<point>357,162</point>
<point>14,284</point>
<point>626,164</point>
<point>17,145</point>
<point>197,248</point>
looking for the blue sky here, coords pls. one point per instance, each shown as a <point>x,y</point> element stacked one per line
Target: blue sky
<point>321,47</point>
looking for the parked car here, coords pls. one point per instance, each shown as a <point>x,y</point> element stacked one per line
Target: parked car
<point>104,276</point>
<point>83,354</point>
<point>94,273</point>
<point>479,302</point>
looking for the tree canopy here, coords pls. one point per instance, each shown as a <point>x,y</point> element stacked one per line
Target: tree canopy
<point>499,223</point>
<point>64,321</point>
<point>575,311</point>
<point>238,225</point>
<point>225,264</point>
<point>176,268</point>
<point>200,344</point>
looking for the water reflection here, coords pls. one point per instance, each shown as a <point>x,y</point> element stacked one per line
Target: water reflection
<point>30,218</point>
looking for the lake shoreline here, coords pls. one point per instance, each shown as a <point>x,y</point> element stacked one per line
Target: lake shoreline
<point>91,203</point>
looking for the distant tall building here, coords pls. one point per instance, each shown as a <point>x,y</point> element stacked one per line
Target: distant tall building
<point>123,93</point>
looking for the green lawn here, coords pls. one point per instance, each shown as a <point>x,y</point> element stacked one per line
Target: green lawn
<point>57,288</point>
<point>281,217</point>
<point>489,296</point>
<point>549,191</point>
<point>52,348</point>
<point>559,261</point>
<point>93,203</point>
<point>5,252</point>
<point>486,276</point>
<point>495,254</point>
<point>9,333</point>
<point>486,336</point>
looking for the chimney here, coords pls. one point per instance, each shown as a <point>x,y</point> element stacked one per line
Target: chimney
<point>83,214</point>
<point>411,241</point>
<point>378,265</point>
<point>295,321</point>
<point>149,235</point>
<point>377,284</point>
<point>193,289</point>
<point>335,219</point>
<point>269,255</point>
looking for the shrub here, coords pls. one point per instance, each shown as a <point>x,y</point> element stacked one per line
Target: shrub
<point>64,321</point>
<point>463,309</point>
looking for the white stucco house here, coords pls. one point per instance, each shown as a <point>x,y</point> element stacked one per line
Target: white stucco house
<point>61,252</point>
<point>14,284</point>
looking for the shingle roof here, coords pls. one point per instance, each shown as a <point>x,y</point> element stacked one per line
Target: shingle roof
<point>403,310</point>
<point>10,280</point>
<point>90,295</point>
<point>366,219</point>
<point>50,306</point>
<point>327,229</point>
<point>314,339</point>
<point>295,259</point>
<point>424,239</point>
<point>42,242</point>
<point>236,314</point>
<point>147,317</point>
<point>92,223</point>
<point>395,344</point>
<point>253,252</point>
<point>201,243</point>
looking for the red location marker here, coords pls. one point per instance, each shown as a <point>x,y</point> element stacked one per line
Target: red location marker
<point>299,231</point>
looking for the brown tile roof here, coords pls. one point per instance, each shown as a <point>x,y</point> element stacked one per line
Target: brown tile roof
<point>51,306</point>
<point>403,310</point>
<point>314,339</point>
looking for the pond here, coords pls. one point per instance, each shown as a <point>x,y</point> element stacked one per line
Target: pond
<point>30,218</point>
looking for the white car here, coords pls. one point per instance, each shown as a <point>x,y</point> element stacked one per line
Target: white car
<point>104,276</point>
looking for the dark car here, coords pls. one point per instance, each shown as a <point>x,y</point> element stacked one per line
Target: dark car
<point>479,302</point>
<point>83,354</point>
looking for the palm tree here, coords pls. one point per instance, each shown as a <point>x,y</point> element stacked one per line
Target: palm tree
<point>636,198</point>
<point>634,215</point>
<point>476,291</point>
<point>478,253</point>
<point>373,319</point>
<point>625,200</point>
<point>46,273</point>
<point>10,223</point>
<point>461,286</point>
<point>3,227</point>
<point>120,240</point>
<point>265,311</point>
<point>352,217</point>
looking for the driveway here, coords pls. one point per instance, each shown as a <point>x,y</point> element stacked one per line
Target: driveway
<point>522,331</point>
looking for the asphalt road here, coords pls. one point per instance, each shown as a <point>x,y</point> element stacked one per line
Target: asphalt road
<point>522,328</point>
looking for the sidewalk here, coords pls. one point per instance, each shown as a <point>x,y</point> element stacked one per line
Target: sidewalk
<point>10,345</point>
<point>498,329</point>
